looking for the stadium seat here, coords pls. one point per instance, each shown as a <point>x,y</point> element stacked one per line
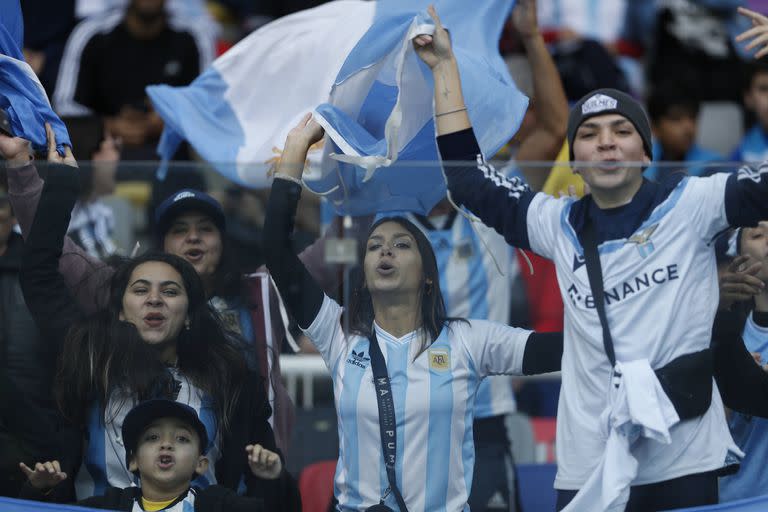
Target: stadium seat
<point>536,484</point>
<point>316,486</point>
<point>544,434</point>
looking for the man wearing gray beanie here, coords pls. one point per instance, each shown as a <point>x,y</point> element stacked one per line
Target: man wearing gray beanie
<point>637,332</point>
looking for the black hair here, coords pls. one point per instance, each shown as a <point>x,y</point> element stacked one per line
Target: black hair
<point>102,354</point>
<point>751,70</point>
<point>667,96</point>
<point>433,313</point>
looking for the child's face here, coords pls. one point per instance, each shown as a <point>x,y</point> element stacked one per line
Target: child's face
<point>168,455</point>
<point>676,131</point>
<point>756,98</point>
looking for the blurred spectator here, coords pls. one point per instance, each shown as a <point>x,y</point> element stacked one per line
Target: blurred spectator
<point>109,61</point>
<point>22,356</point>
<point>693,44</point>
<point>93,221</point>
<point>193,14</point>
<point>751,433</point>
<point>754,146</point>
<point>674,112</point>
<point>597,44</point>
<point>47,25</point>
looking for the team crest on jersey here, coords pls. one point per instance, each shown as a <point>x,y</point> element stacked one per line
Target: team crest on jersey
<point>439,359</point>
<point>643,241</point>
<point>359,359</point>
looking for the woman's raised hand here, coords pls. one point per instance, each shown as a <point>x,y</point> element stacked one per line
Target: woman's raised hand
<point>436,48</point>
<point>53,155</point>
<point>305,133</point>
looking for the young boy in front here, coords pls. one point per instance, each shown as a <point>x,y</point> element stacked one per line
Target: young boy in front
<point>163,444</point>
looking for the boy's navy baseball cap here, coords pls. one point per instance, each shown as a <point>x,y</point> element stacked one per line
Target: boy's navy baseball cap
<point>140,417</point>
<point>187,200</point>
<point>610,101</point>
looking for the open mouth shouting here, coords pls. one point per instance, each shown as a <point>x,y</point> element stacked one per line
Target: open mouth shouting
<point>154,320</point>
<point>194,255</point>
<point>165,461</point>
<point>385,268</point>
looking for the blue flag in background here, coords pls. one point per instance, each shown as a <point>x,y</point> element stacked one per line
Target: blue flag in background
<point>380,114</point>
<point>22,96</point>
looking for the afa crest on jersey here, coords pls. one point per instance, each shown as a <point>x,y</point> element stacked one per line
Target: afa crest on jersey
<point>439,359</point>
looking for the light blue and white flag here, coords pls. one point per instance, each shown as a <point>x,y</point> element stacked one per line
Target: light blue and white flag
<point>22,95</point>
<point>353,62</point>
<point>380,113</point>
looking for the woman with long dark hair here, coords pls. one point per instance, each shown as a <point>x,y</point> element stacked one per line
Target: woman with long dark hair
<point>433,364</point>
<point>191,225</point>
<point>157,337</point>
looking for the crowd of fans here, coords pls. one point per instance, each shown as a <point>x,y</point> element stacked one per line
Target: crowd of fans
<point>192,395</point>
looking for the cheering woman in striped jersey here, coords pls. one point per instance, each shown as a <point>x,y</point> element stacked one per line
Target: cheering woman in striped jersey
<point>433,363</point>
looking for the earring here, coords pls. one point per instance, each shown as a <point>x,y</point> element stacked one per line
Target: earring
<point>187,324</point>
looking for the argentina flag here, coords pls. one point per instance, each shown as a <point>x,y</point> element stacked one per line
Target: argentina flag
<point>352,62</point>
<point>22,95</point>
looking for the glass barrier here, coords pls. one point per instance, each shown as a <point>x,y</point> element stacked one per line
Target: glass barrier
<point>479,274</point>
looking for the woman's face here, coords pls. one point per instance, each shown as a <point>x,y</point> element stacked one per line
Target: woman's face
<point>754,243</point>
<point>156,302</point>
<point>195,237</point>
<point>392,261</point>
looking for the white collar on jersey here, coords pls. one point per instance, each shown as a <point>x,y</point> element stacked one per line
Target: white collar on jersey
<point>402,340</point>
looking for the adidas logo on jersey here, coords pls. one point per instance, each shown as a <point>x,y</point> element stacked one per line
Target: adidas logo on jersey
<point>497,501</point>
<point>358,359</point>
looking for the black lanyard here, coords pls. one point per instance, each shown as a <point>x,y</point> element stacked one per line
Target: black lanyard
<point>387,423</point>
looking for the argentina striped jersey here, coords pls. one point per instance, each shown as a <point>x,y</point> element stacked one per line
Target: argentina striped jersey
<point>473,287</point>
<point>104,456</point>
<point>433,394</point>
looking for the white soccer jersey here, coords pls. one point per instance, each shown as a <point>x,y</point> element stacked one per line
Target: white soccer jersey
<point>473,287</point>
<point>433,394</point>
<point>661,291</point>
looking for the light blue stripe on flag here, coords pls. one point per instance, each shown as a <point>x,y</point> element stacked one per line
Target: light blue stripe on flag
<point>22,96</point>
<point>380,117</point>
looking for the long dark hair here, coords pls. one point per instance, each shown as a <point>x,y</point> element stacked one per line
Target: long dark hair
<point>102,354</point>
<point>432,304</point>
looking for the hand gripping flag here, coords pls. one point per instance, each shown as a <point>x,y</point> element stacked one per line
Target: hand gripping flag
<point>22,95</point>
<point>353,62</point>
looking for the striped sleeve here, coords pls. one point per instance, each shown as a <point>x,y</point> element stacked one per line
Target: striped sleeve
<point>325,332</point>
<point>501,203</point>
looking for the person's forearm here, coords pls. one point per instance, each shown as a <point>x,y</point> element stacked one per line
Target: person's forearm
<point>546,138</point>
<point>293,159</point>
<point>450,111</point>
<point>548,92</point>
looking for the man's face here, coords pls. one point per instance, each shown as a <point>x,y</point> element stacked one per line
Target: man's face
<point>147,10</point>
<point>756,98</point>
<point>7,220</point>
<point>604,143</point>
<point>168,455</point>
<point>676,131</point>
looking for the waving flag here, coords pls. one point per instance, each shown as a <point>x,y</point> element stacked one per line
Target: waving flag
<point>22,96</point>
<point>353,62</point>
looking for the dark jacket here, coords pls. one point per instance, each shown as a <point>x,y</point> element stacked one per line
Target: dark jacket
<point>26,359</point>
<point>55,311</point>
<point>211,499</point>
